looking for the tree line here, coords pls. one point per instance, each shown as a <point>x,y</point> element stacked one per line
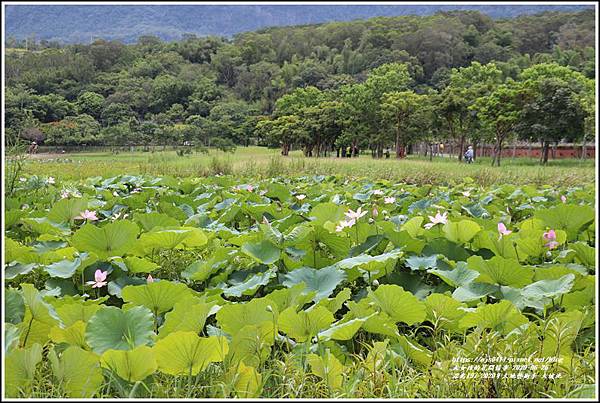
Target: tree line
<point>377,84</point>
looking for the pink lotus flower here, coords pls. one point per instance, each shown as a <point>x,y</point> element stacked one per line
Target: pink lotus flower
<point>300,197</point>
<point>355,215</point>
<point>87,215</point>
<point>344,224</point>
<point>378,192</point>
<point>149,279</point>
<point>64,194</point>
<point>99,279</point>
<point>389,200</point>
<point>51,180</point>
<point>563,198</point>
<point>438,219</point>
<point>502,229</point>
<point>250,188</point>
<point>550,238</point>
<point>466,194</point>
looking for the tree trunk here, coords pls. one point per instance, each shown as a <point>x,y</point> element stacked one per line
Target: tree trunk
<point>430,152</point>
<point>461,145</point>
<point>398,150</point>
<point>545,152</point>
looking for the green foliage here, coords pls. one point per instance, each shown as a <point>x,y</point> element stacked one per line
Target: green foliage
<point>259,286</point>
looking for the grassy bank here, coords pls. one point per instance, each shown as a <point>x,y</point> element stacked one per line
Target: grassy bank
<point>261,162</point>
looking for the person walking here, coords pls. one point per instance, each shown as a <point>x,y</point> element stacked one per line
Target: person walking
<point>469,155</point>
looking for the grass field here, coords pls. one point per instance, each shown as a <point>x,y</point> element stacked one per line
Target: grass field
<point>262,163</point>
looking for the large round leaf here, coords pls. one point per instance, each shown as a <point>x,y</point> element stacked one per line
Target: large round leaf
<point>113,239</point>
<point>78,371</point>
<point>113,328</point>
<point>263,252</point>
<point>322,281</point>
<point>131,365</point>
<point>184,353</point>
<point>400,305</point>
<point>159,296</point>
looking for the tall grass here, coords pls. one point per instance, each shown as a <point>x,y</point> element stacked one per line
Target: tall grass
<point>263,163</point>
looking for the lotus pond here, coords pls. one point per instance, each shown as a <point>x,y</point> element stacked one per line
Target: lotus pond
<point>316,286</point>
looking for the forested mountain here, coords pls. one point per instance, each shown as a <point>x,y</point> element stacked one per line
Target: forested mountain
<point>381,82</point>
<point>80,23</point>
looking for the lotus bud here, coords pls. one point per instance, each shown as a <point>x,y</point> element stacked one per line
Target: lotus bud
<point>371,221</point>
<point>375,283</point>
<point>149,279</point>
<point>548,254</point>
<point>269,308</point>
<point>375,212</point>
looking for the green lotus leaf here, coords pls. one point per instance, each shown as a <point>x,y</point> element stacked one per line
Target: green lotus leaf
<point>302,326</point>
<point>113,328</point>
<point>335,304</point>
<point>324,212</point>
<point>159,296</point>
<point>116,285</point>
<point>442,246</point>
<point>263,252</point>
<point>549,288</point>
<point>185,353</point>
<point>250,285</point>
<point>400,305</point>
<point>73,335</point>
<point>278,191</point>
<point>413,226</point>
<point>413,351</point>
<point>161,239</point>
<point>65,210</point>
<point>15,251</point>
<point>501,271</point>
<point>474,291</point>
<point>246,381</point>
<point>385,261</point>
<point>203,269</point>
<point>67,268</point>
<point>343,330</point>
<point>457,277</point>
<point>381,323</point>
<point>19,369</point>
<point>322,281</point>
<point>187,315</point>
<point>43,225</point>
<point>11,337</point>
<point>139,265</point>
<point>251,345</point>
<point>502,317</point>
<point>421,262</point>
<point>402,239</point>
<point>131,365</point>
<point>328,368</point>
<point>444,312</point>
<point>15,269</point>
<point>567,217</point>
<point>13,217</point>
<point>462,231</point>
<point>501,246</point>
<point>77,371</point>
<point>233,317</point>
<point>113,239</point>
<point>37,308</point>
<point>296,296</point>
<point>584,254</point>
<point>149,221</point>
